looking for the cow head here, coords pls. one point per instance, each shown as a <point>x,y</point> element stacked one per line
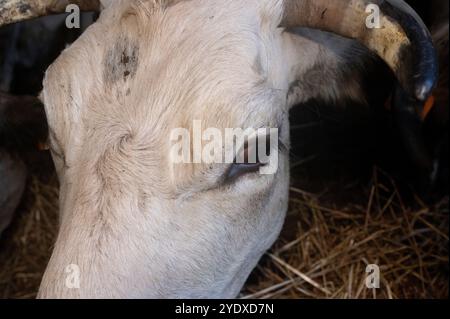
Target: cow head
<point>134,223</point>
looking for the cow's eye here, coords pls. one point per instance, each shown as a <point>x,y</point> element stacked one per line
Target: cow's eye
<point>248,159</point>
<point>237,170</point>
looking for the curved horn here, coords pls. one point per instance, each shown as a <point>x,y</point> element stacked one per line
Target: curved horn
<point>403,41</point>
<point>13,11</point>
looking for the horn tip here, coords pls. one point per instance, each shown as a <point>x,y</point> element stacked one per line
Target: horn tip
<point>424,89</point>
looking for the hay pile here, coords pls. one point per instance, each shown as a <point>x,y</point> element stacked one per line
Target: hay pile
<point>322,253</point>
<point>26,247</point>
<point>333,246</point>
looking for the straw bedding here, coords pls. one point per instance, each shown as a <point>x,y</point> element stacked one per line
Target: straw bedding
<point>322,252</point>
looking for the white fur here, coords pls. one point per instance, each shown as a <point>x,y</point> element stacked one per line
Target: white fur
<point>136,225</point>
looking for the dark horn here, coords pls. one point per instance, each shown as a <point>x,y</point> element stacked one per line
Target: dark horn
<point>403,41</point>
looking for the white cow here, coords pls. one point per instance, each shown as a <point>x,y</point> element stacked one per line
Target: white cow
<point>133,224</point>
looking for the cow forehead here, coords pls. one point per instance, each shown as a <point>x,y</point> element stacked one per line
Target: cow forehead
<point>121,88</point>
<point>169,66</point>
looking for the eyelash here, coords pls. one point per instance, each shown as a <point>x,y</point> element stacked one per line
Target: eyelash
<point>236,170</point>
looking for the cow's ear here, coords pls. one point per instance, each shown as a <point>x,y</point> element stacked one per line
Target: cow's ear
<point>326,67</point>
<point>23,123</point>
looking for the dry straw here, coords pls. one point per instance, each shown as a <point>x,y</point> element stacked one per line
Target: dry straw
<point>326,258</point>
